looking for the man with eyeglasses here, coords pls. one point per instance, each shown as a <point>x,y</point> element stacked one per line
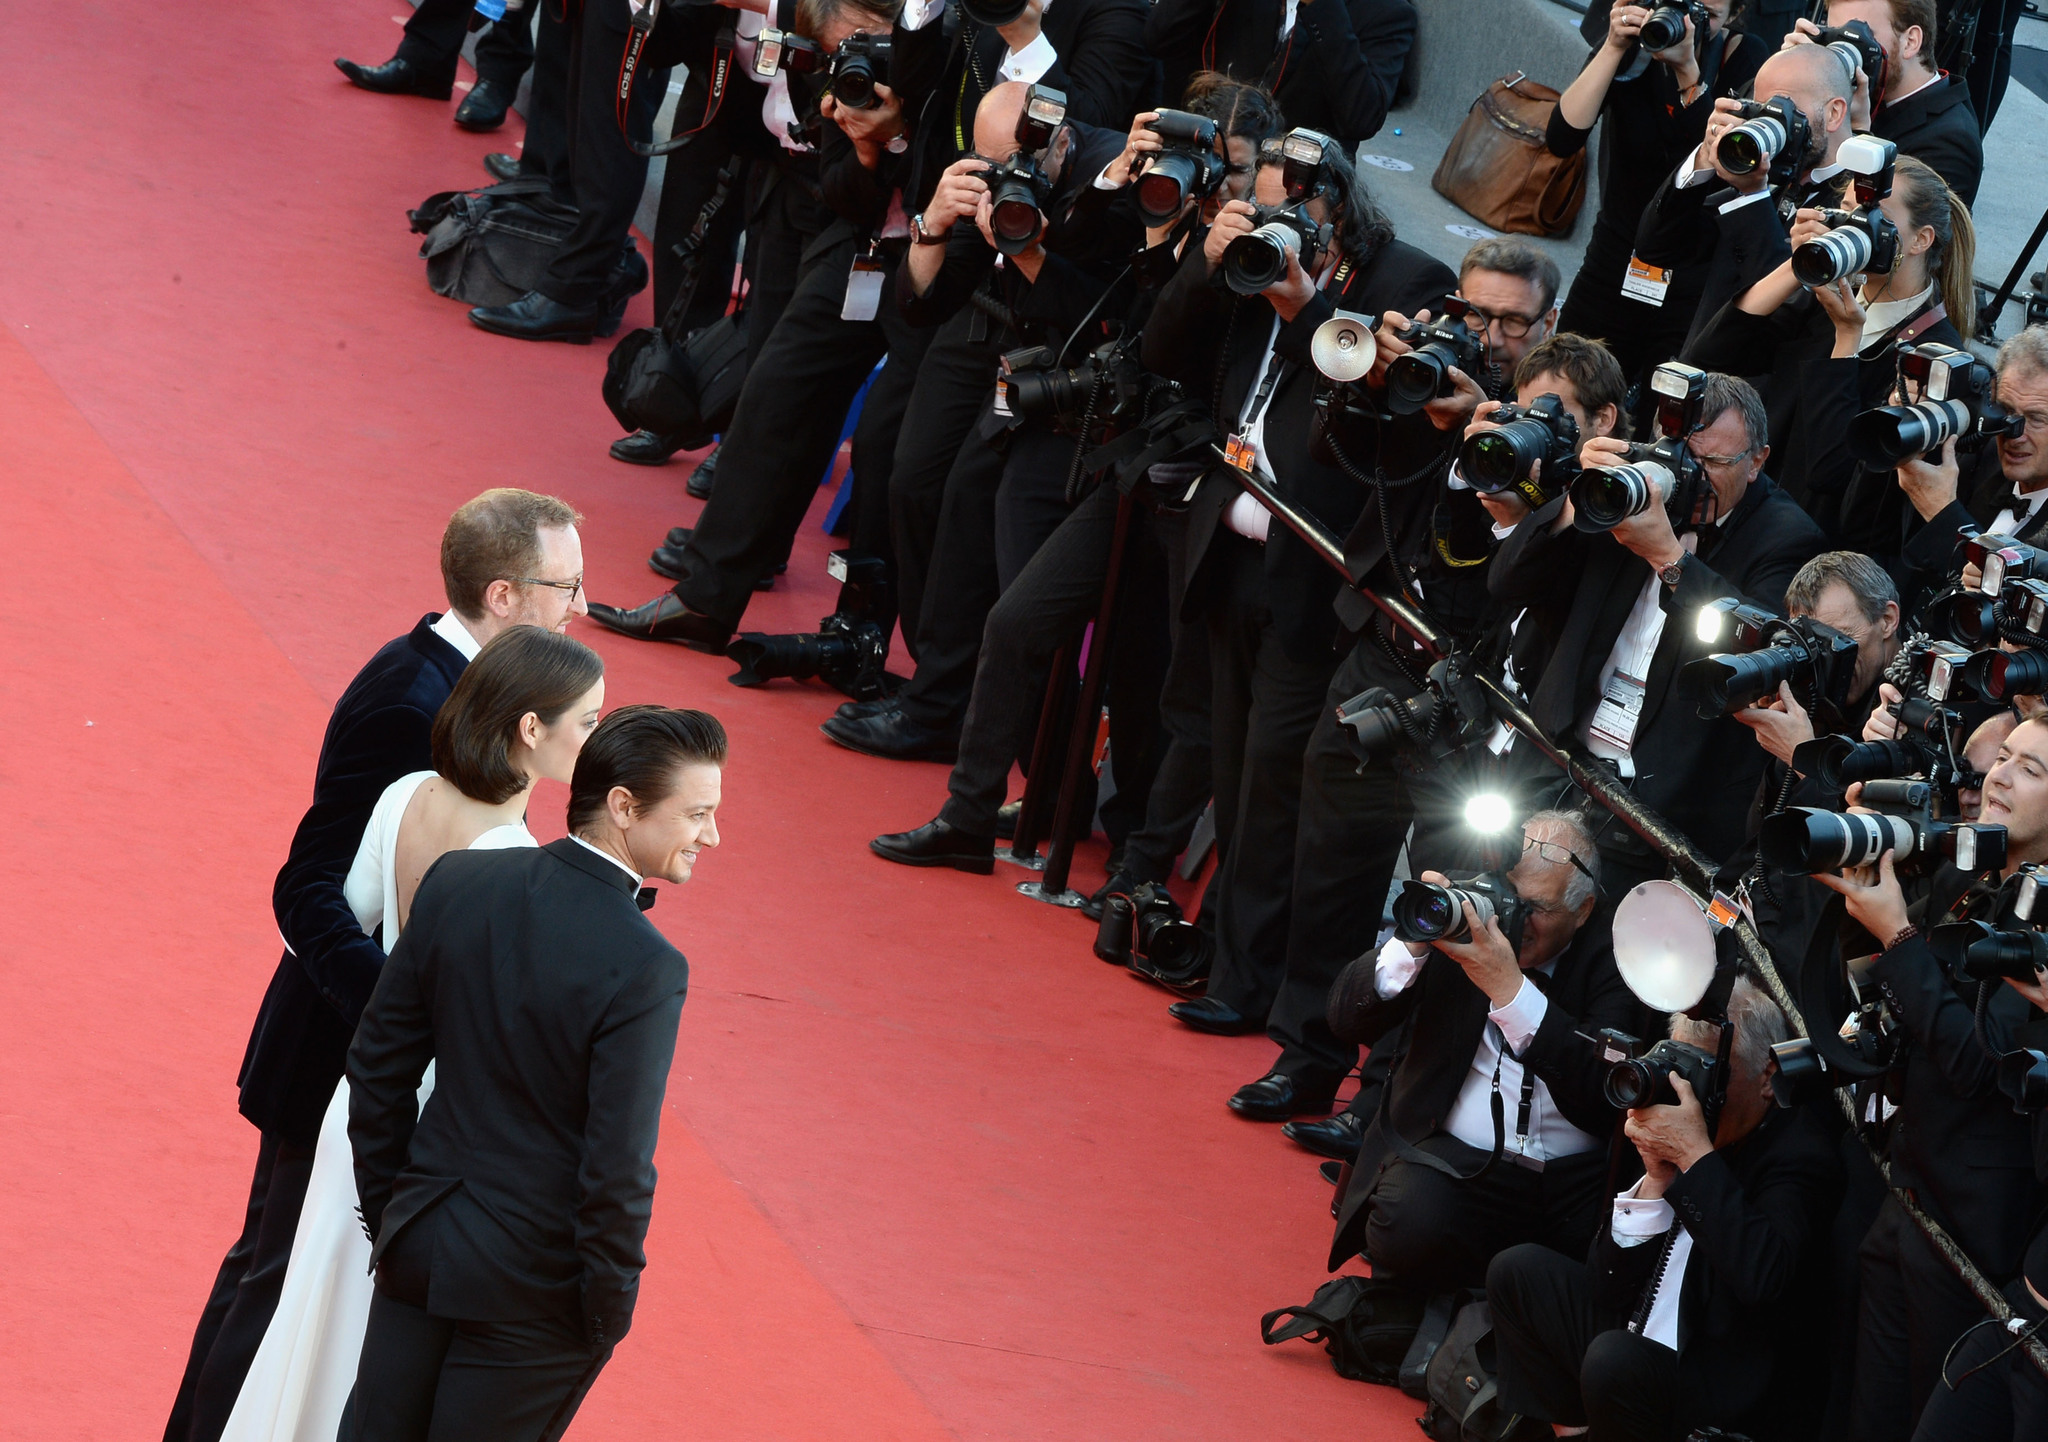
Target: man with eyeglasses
<point>1492,1129</point>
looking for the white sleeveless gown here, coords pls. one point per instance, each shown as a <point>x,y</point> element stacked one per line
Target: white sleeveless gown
<point>300,1381</point>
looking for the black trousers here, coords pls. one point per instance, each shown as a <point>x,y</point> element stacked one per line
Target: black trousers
<point>1913,1309</point>
<point>434,36</point>
<point>546,151</point>
<point>1181,782</point>
<point>787,426</point>
<point>1564,1359</point>
<point>605,178</point>
<point>687,180</point>
<point>244,1296</point>
<point>1434,1232</point>
<point>1264,705</point>
<point>1992,1398</point>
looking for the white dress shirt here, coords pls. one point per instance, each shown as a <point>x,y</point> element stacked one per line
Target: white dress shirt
<point>2018,512</point>
<point>638,879</point>
<point>1246,516</point>
<point>1884,315</point>
<point>1471,1116</point>
<point>1689,177</point>
<point>450,629</point>
<point>1033,60</point>
<point>1638,1220</point>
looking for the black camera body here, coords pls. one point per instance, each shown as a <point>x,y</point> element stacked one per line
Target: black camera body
<point>1817,661</point>
<point>1857,46</point>
<point>860,64</point>
<point>2023,1076</point>
<point>1958,401</point>
<point>1103,395</point>
<point>1431,724</point>
<point>1185,168</point>
<point>1862,241</point>
<point>1019,189</point>
<point>1424,373</point>
<point>1145,930</point>
<point>1901,819</point>
<point>1645,1080</point>
<point>1605,496</point>
<point>850,648</point>
<point>1665,26</point>
<point>1533,453</point>
<point>1425,912</point>
<point>1253,262</point>
<point>1773,136</point>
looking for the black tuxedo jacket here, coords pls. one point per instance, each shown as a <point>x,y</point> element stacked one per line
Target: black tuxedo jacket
<point>1211,340</point>
<point>1755,1290</point>
<point>1336,72</point>
<point>1448,1016</point>
<point>549,1004</point>
<point>1698,774</point>
<point>1938,126</point>
<point>1982,492</point>
<point>379,732</point>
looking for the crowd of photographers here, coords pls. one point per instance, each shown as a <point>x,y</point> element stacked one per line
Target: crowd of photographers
<point>1733,516</point>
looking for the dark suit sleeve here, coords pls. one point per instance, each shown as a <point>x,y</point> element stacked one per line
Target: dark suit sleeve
<point>629,1062</point>
<point>393,1044</point>
<point>1795,542</point>
<point>1753,1237</point>
<point>1105,67</point>
<point>1181,337</point>
<point>1669,229</point>
<point>968,262</point>
<point>1536,566</point>
<point>1737,343</point>
<point>1359,49</point>
<point>313,915</point>
<point>1830,397</point>
<point>1357,1011</point>
<point>1941,1023</point>
<point>1572,1067</point>
<point>1172,26</point>
<point>856,194</point>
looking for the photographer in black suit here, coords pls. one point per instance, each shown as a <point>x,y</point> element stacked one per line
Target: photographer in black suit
<point>1697,1302</point>
<point>508,1217</point>
<point>1492,1129</point>
<point>508,558</point>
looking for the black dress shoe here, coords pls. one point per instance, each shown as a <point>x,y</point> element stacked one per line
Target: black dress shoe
<point>894,737</point>
<point>856,710</point>
<point>1336,1137</point>
<point>667,561</point>
<point>502,166</point>
<point>701,479</point>
<point>398,76</point>
<point>643,448</point>
<point>538,317</point>
<point>665,618</point>
<point>937,844</point>
<point>1118,883</point>
<point>1275,1097</point>
<point>1218,1018</point>
<point>485,106</point>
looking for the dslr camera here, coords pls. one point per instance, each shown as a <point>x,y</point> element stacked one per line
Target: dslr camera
<point>1185,168</point>
<point>1901,819</point>
<point>1773,136</point>
<point>1253,262</point>
<point>1855,44</point>
<point>2015,948</point>
<point>1645,1080</point>
<point>1666,25</point>
<point>1093,401</point>
<point>850,646</point>
<point>1534,452</point>
<point>1817,661</point>
<point>1432,723</point>
<point>861,63</point>
<point>1667,470</point>
<point>1019,189</point>
<point>1424,373</point>
<point>1957,402</point>
<point>1859,241</point>
<point>1146,931</point>
<point>1425,912</point>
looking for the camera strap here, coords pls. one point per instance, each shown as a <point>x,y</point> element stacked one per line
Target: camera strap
<point>724,51</point>
<point>1409,1152</point>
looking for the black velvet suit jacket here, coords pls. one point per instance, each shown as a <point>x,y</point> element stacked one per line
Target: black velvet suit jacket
<point>548,1003</point>
<point>378,733</point>
<point>1448,1016</point>
<point>1336,72</point>
<point>1938,126</point>
<point>1211,340</point>
<point>1699,775</point>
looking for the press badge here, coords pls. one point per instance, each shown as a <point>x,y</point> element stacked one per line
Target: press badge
<point>863,289</point>
<point>1240,453</point>
<point>1619,711</point>
<point>1645,282</point>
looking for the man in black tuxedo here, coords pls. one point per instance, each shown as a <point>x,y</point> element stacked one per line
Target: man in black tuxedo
<point>1332,67</point>
<point>508,558</point>
<point>1444,1177</point>
<point>1699,1299</point>
<point>426,58</point>
<point>508,1217</point>
<point>1625,603</point>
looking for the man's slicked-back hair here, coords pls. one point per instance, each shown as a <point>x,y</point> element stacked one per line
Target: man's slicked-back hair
<point>640,748</point>
<point>496,537</point>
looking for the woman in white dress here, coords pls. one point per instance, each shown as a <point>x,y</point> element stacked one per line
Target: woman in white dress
<point>520,711</point>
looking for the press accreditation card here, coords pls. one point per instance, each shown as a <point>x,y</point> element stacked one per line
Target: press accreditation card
<point>863,289</point>
<point>1240,453</point>
<point>1645,282</point>
<point>1619,711</point>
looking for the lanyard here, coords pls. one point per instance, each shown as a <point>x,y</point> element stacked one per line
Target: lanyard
<point>1278,363</point>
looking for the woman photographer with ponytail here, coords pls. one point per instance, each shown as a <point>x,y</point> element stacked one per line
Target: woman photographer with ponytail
<point>1832,350</point>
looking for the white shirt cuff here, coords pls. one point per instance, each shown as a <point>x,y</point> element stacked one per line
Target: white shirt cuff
<point>1103,182</point>
<point>1688,177</point>
<point>1454,479</point>
<point>1637,1220</point>
<point>1396,969</point>
<point>1030,62</point>
<point>1742,200</point>
<point>1501,533</point>
<point>919,13</point>
<point>1520,1018</point>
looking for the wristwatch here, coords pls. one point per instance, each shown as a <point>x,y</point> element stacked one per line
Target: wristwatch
<point>922,236</point>
<point>1672,574</point>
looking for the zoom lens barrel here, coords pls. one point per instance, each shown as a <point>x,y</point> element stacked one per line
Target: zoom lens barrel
<point>2015,673</point>
<point>1428,912</point>
<point>1013,215</point>
<point>1732,681</point>
<point>1253,262</point>
<point>1417,378</point>
<point>1494,460</point>
<point>1163,188</point>
<point>1631,1084</point>
<point>1838,762</point>
<point>1664,29</point>
<point>1886,435</point>
<point>1751,145</point>
<point>1604,497</point>
<point>1807,840</point>
<point>1835,256</point>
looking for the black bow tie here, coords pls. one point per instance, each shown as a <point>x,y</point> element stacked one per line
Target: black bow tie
<point>644,898</point>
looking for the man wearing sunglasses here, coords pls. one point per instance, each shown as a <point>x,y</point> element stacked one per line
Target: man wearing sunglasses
<point>1492,1129</point>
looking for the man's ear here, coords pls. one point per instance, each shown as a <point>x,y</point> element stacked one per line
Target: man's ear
<point>498,598</point>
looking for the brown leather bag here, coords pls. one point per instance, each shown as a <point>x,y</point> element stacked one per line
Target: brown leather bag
<point>1499,168</point>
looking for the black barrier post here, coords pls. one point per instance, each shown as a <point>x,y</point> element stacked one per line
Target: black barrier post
<point>1698,869</point>
<point>1035,809</point>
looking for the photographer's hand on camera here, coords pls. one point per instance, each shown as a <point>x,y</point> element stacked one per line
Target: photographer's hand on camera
<point>1138,145</point>
<point>1506,509</point>
<point>1668,1138</point>
<point>1648,533</point>
<point>1727,115</point>
<point>1236,218</point>
<point>1931,486</point>
<point>871,129</point>
<point>1872,896</point>
<point>1844,306</point>
<point>1488,959</point>
<point>1805,32</point>
<point>1781,723</point>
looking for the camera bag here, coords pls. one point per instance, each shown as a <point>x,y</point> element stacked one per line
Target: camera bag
<point>1365,1323</point>
<point>1464,1400</point>
<point>683,389</point>
<point>491,246</point>
<point>1498,167</point>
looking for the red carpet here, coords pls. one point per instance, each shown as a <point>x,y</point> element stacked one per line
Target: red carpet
<point>929,1169</point>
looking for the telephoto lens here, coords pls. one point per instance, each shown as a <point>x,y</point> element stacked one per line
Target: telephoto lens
<point>1424,373</point>
<point>1847,249</point>
<point>1645,1081</point>
<point>1752,145</point>
<point>1253,262</point>
<point>1885,435</point>
<point>1996,954</point>
<point>2008,674</point>
<point>1186,166</point>
<point>1605,496</point>
<point>1839,762</point>
<point>1526,437</point>
<point>1379,719</point>
<point>1808,840</point>
<point>1016,189</point>
<point>1664,28</point>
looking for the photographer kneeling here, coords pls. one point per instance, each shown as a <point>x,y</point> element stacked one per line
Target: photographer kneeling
<point>1679,1316</point>
<point>1492,1127</point>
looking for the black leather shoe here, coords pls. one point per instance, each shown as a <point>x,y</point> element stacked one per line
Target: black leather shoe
<point>1006,819</point>
<point>856,710</point>
<point>701,479</point>
<point>665,618</point>
<point>1117,882</point>
<point>643,448</point>
<point>937,844</point>
<point>502,166</point>
<point>1275,1097</point>
<point>398,76</point>
<point>1331,1172</point>
<point>485,106</point>
<point>1218,1018</point>
<point>537,317</point>
<point>1336,1137</point>
<point>894,737</point>
<point>667,561</point>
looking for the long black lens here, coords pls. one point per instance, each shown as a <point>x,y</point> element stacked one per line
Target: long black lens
<point>1013,216</point>
<point>763,657</point>
<point>1417,378</point>
<point>1839,763</point>
<point>1494,460</point>
<point>1631,1084</point>
<point>1163,188</point>
<point>1040,394</point>
<point>2015,673</point>
<point>1664,29</point>
<point>2006,953</point>
<point>853,85</point>
<point>1253,262</point>
<point>1730,682</point>
<point>1804,839</point>
<point>1885,435</point>
<point>1603,498</point>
